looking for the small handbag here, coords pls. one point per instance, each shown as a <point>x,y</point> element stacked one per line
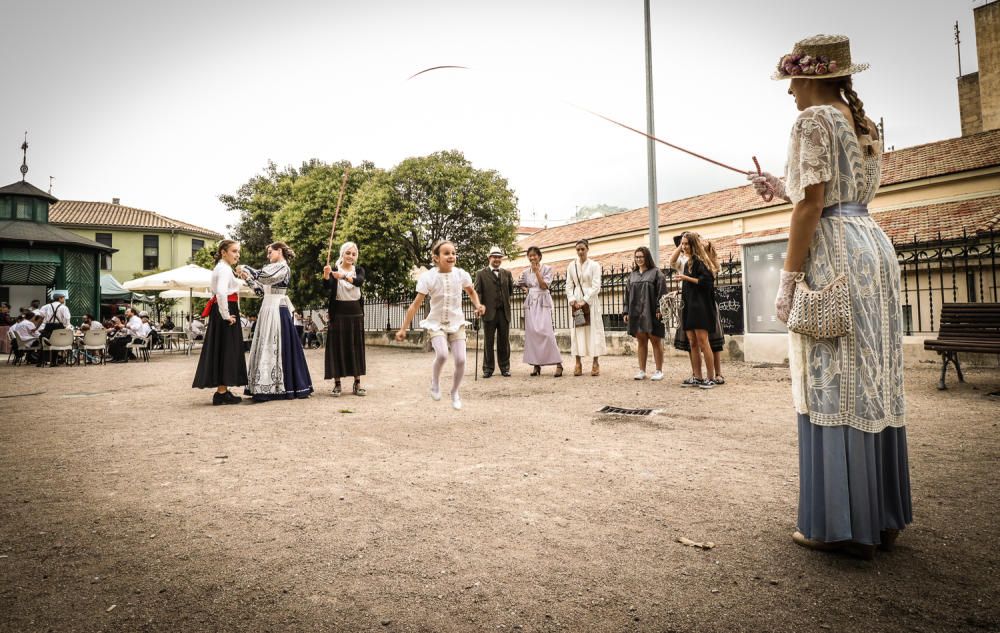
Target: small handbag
<point>826,312</point>
<point>581,316</point>
<point>823,313</point>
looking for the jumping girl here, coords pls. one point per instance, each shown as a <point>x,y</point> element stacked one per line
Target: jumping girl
<point>446,323</point>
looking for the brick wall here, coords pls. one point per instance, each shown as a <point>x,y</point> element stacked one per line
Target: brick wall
<point>968,104</point>
<point>987,19</point>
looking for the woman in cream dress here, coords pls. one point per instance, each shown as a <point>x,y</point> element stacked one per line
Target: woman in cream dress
<point>583,287</point>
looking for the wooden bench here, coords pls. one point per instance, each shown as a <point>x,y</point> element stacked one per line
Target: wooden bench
<point>966,327</point>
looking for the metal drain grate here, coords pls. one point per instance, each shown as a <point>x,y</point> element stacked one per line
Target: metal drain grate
<point>620,411</point>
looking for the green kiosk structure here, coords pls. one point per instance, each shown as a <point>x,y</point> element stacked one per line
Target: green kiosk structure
<point>37,258</point>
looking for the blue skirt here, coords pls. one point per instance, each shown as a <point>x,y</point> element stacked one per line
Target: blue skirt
<point>295,378</point>
<point>852,484</point>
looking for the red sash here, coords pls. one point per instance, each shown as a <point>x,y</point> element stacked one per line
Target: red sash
<point>212,302</point>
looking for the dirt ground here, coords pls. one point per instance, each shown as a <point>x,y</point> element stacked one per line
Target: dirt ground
<point>129,504</point>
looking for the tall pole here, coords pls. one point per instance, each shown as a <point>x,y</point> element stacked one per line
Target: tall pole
<point>958,47</point>
<point>654,216</point>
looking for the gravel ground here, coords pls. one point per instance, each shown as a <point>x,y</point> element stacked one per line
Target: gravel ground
<point>129,504</point>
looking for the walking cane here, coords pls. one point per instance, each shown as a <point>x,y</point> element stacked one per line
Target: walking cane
<point>475,326</point>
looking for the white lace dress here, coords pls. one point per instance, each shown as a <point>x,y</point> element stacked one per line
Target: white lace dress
<point>854,478</point>
<point>855,380</point>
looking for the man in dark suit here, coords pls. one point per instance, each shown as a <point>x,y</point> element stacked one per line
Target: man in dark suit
<point>495,286</point>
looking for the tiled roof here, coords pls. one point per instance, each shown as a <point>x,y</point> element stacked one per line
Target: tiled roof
<point>23,188</point>
<point>949,219</point>
<point>951,156</point>
<point>41,233</point>
<point>527,230</point>
<point>707,205</point>
<point>912,163</point>
<point>901,225</point>
<point>105,214</point>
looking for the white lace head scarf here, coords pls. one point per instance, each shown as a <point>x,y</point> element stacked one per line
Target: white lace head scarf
<point>343,249</point>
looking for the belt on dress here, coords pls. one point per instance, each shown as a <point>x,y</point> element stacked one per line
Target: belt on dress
<point>213,301</point>
<point>845,210</point>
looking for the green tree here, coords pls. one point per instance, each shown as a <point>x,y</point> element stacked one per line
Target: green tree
<point>396,217</point>
<point>204,257</point>
<point>257,201</point>
<point>305,219</point>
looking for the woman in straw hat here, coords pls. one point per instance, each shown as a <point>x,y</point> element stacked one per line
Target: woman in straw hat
<point>848,391</point>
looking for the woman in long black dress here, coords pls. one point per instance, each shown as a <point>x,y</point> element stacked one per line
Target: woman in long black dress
<point>698,313</point>
<point>345,341</point>
<point>222,364</point>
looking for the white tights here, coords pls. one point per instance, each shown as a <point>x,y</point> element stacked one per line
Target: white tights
<point>440,345</point>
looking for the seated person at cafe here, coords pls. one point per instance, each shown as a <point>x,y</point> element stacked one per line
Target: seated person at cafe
<point>196,329</point>
<point>167,325</point>
<point>90,323</point>
<point>133,329</point>
<point>27,331</point>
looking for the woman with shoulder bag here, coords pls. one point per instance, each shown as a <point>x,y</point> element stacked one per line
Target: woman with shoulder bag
<point>583,291</point>
<point>839,294</point>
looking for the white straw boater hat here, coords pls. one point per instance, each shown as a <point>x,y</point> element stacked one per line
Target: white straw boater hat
<point>818,57</point>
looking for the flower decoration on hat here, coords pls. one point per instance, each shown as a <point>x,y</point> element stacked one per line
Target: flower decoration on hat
<point>797,64</point>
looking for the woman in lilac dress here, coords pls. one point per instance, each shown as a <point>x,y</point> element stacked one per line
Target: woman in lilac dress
<point>539,337</point>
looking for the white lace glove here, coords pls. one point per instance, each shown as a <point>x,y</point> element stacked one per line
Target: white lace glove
<point>786,291</point>
<point>767,183</point>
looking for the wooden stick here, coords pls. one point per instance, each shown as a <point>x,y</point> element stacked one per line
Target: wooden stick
<point>340,198</point>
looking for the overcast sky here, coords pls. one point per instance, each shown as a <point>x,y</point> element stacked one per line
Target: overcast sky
<point>169,104</point>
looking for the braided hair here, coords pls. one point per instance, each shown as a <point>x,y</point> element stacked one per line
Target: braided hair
<point>862,126</point>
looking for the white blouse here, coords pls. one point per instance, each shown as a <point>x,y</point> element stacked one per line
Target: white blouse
<point>347,291</point>
<point>224,284</point>
<point>445,293</point>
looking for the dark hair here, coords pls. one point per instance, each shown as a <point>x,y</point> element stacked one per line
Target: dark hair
<point>221,248</point>
<point>286,250</point>
<point>583,241</point>
<point>647,256</point>
<point>535,250</point>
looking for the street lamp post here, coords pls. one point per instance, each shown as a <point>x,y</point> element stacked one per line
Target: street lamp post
<point>654,217</point>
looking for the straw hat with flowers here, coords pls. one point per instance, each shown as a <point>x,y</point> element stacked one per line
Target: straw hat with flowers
<point>818,57</point>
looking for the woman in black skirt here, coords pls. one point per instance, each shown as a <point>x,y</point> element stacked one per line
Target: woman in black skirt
<point>345,341</point>
<point>698,312</point>
<point>222,364</point>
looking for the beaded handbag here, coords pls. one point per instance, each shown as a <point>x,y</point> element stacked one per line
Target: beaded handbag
<point>823,313</point>
<point>826,312</point>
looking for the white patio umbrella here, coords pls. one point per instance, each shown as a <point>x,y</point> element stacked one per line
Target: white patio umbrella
<point>188,280</point>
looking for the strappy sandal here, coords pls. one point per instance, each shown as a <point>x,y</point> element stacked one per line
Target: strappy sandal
<point>358,389</point>
<point>537,371</point>
<point>578,369</point>
<point>336,390</point>
<point>559,371</point>
<point>595,370</point>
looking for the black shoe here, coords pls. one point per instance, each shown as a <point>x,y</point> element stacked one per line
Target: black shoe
<point>232,398</point>
<point>505,373</point>
<point>485,375</point>
<point>219,398</point>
